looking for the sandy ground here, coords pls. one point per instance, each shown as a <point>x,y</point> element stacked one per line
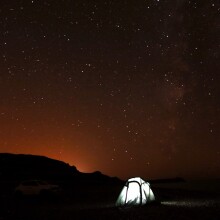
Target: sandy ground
<point>99,204</point>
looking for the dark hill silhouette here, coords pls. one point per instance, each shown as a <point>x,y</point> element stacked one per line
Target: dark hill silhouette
<point>17,167</point>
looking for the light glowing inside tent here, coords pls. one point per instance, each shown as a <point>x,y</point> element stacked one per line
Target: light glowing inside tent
<point>135,192</point>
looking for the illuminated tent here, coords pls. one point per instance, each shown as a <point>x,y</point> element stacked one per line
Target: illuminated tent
<point>135,192</point>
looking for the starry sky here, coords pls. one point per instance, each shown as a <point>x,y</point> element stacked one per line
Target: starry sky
<point>129,88</point>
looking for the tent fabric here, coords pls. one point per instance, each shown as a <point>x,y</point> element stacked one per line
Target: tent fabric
<point>135,192</point>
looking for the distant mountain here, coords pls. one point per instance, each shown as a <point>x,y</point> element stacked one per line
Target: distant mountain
<point>16,167</point>
<point>170,180</point>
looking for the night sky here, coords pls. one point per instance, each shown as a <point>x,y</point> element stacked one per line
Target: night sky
<point>129,88</point>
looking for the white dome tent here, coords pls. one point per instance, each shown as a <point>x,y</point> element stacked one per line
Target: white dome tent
<point>135,192</point>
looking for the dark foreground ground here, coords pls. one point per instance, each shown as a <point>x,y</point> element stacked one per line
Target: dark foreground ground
<point>98,203</point>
